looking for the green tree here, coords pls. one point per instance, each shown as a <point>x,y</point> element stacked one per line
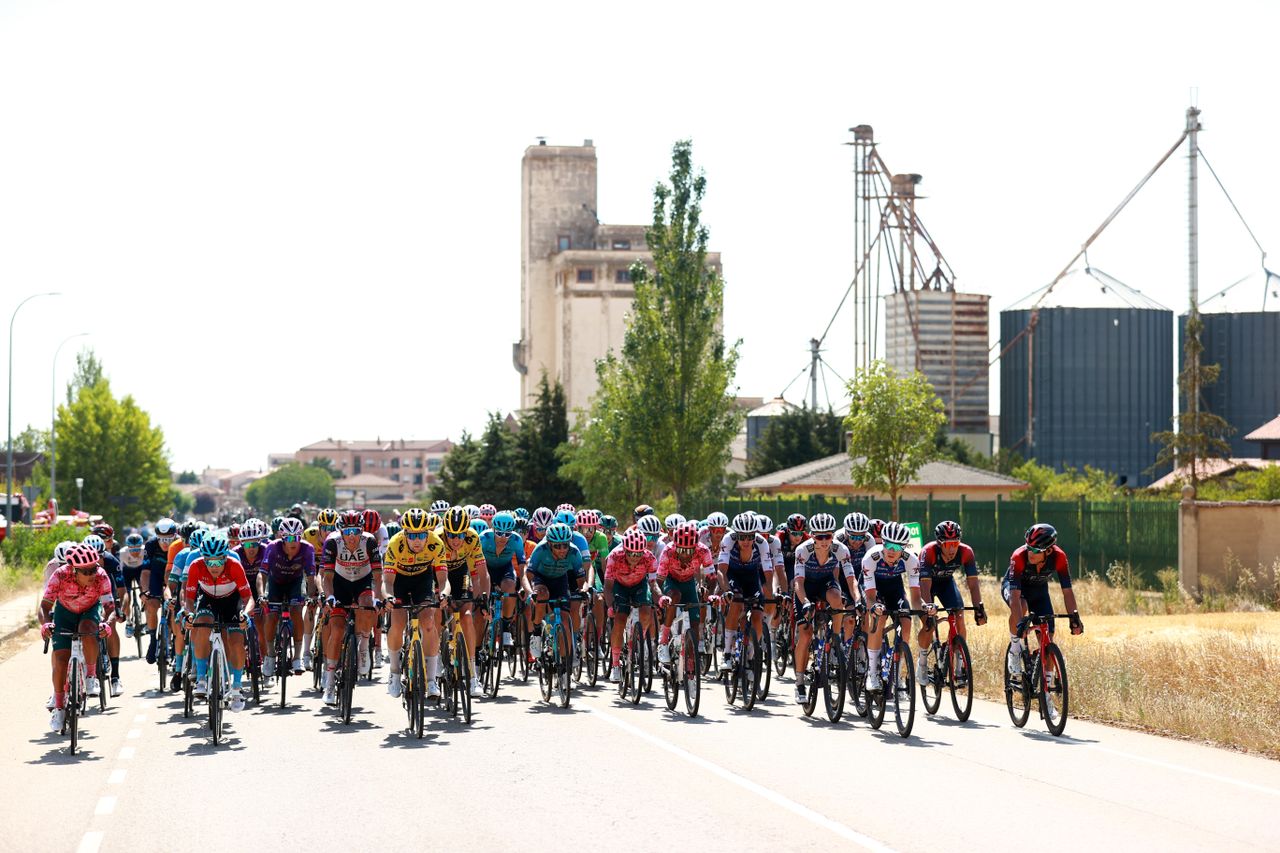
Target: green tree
<point>1046,484</point>
<point>113,446</point>
<point>1200,435</point>
<point>601,461</point>
<point>324,463</point>
<point>456,481</point>
<point>88,373</point>
<point>180,504</point>
<point>544,429</point>
<point>794,437</point>
<point>671,383</point>
<point>892,422</point>
<point>188,478</point>
<point>290,484</point>
<point>493,467</point>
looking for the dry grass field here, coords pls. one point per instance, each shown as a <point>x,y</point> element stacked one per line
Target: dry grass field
<point>1205,676</point>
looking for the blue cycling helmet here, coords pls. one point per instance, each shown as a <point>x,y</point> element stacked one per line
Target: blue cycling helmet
<point>559,534</point>
<point>567,517</point>
<point>521,512</point>
<point>133,540</point>
<point>479,525</point>
<point>504,522</point>
<point>214,545</point>
<point>95,542</point>
<point>196,537</point>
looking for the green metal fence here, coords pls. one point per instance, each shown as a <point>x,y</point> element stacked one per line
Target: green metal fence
<point>1094,534</point>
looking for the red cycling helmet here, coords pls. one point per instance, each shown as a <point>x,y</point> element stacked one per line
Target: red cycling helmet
<point>351,518</point>
<point>1042,536</point>
<point>106,531</point>
<point>796,523</point>
<point>372,521</point>
<point>634,542</point>
<point>685,536</point>
<point>947,531</point>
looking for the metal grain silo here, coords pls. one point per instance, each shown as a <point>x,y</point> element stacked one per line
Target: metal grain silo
<point>1242,335</point>
<point>1100,377</point>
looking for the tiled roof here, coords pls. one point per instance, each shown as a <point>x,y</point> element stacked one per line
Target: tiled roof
<point>430,445</point>
<point>836,471</point>
<point>1211,468</point>
<point>367,481</point>
<point>1270,431</point>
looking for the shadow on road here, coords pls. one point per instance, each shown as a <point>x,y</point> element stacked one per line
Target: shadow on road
<point>205,746</point>
<point>1064,740</point>
<point>914,741</point>
<point>542,707</point>
<point>336,726</point>
<point>681,717</point>
<point>951,723</point>
<point>404,740</point>
<point>60,751</point>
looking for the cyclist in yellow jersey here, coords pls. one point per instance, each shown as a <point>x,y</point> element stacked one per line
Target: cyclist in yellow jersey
<point>315,535</point>
<point>409,575</point>
<point>463,559</point>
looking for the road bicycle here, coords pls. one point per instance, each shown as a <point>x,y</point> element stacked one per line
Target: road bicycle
<point>1043,677</point>
<point>556,661</point>
<point>586,663</point>
<point>317,646</point>
<point>282,648</point>
<point>855,656</point>
<point>455,669</point>
<point>104,675</point>
<point>348,670</point>
<point>745,656</point>
<point>413,666</point>
<point>637,675</point>
<point>897,676</point>
<point>135,624</point>
<point>948,664</point>
<point>492,653</point>
<point>784,639</point>
<point>711,638</point>
<point>684,673</point>
<point>828,663</point>
<point>75,686</point>
<point>164,643</point>
<point>219,674</point>
<point>253,660</point>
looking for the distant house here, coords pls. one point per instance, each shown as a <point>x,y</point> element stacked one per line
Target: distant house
<point>409,463</point>
<point>1213,469</point>
<point>833,476</point>
<point>1267,437</point>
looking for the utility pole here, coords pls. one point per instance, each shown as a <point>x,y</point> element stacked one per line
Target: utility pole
<point>813,372</point>
<point>1193,269</point>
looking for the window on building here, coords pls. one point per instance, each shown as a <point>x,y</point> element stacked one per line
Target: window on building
<point>621,244</point>
<point>395,463</point>
<point>371,463</point>
<point>563,242</point>
<point>395,477</point>
<point>417,479</point>
<point>622,276</point>
<point>586,275</point>
<point>417,463</point>
<point>433,465</point>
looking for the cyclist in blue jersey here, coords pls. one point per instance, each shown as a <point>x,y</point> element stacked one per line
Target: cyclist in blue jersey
<point>503,551</point>
<point>554,570</point>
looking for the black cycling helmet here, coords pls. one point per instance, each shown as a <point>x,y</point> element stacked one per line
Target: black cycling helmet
<point>1042,536</point>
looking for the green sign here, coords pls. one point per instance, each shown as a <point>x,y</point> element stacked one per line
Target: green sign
<point>917,536</point>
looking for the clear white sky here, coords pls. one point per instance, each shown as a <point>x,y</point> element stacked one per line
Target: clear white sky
<point>290,205</point>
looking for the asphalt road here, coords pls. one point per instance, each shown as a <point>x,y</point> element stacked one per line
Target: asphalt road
<point>524,775</point>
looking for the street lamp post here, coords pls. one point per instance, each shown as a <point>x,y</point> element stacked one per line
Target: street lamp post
<point>53,421</point>
<point>80,490</point>
<point>8,491</point>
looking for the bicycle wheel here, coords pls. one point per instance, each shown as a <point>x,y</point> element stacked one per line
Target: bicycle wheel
<point>317,659</point>
<point>671,678</point>
<point>136,620</point>
<point>348,670</point>
<point>1017,696</point>
<point>751,668</point>
<point>833,681</point>
<point>636,672</point>
<point>590,647</point>
<point>903,677</point>
<point>707,638</point>
<point>813,677</point>
<point>214,697</point>
<point>959,678</point>
<point>766,661</point>
<point>1053,693</point>
<point>284,665</point>
<point>782,645</point>
<point>72,719</point>
<point>188,687</point>
<point>417,691</point>
<point>546,668</point>
<point>877,699</point>
<point>649,659</point>
<point>462,665</point>
<point>691,673</point>
<point>162,663</point>
<point>488,661</point>
<point>104,673</point>
<point>564,667</point>
<point>521,651</point>
<point>931,687</point>
<point>731,678</point>
<point>856,682</point>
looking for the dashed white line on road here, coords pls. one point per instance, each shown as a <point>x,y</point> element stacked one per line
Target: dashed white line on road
<point>134,734</point>
<point>139,718</point>
<point>90,843</point>
<point>769,794</point>
<point>117,776</point>
<point>106,805</point>
<point>127,752</point>
<point>1191,770</point>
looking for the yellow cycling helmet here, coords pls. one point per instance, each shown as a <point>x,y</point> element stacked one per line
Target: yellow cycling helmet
<point>327,518</point>
<point>416,520</point>
<point>456,521</point>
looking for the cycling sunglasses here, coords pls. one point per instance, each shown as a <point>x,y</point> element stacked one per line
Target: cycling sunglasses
<point>286,538</point>
<point>820,537</point>
<point>1034,550</point>
<point>423,535</point>
<point>215,562</point>
<point>352,531</point>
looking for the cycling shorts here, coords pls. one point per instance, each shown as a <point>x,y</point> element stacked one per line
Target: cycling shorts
<point>132,576</point>
<point>225,609</point>
<point>557,587</point>
<point>686,592</point>
<point>65,619</point>
<point>500,574</point>
<point>891,594</point>
<point>348,592</point>
<point>156,583</point>
<point>744,582</point>
<point>946,593</point>
<point>1036,598</point>
<point>626,597</point>
<point>414,589</point>
<point>815,589</point>
<point>280,593</point>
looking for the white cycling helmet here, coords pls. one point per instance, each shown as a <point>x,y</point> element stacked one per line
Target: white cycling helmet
<point>857,522</point>
<point>60,552</point>
<point>649,525</point>
<point>743,523</point>
<point>822,523</point>
<point>673,521</point>
<point>764,524</point>
<point>717,519</point>
<point>895,533</point>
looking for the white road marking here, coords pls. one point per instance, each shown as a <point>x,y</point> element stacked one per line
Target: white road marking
<point>139,718</point>
<point>106,805</point>
<point>772,796</point>
<point>90,843</point>
<point>134,734</point>
<point>117,776</point>
<point>127,752</point>
<point>1191,770</point>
